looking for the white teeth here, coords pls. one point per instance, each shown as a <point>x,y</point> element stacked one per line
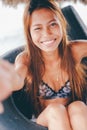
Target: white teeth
<point>48,42</point>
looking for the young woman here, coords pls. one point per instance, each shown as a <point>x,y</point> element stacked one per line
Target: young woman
<point>51,67</point>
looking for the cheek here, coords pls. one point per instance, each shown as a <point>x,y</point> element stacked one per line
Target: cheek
<point>60,30</point>
<point>60,33</point>
<point>34,37</point>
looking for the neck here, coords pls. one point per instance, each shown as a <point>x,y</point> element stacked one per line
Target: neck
<point>51,57</point>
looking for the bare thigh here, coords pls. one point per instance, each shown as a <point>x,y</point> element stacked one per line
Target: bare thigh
<point>54,115</point>
<point>78,115</point>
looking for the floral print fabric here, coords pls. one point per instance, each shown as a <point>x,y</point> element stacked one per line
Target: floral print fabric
<point>48,93</point>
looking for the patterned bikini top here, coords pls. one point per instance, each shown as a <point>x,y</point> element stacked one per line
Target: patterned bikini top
<point>46,92</point>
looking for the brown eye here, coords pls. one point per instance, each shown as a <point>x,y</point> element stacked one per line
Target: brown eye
<point>53,24</point>
<point>37,29</point>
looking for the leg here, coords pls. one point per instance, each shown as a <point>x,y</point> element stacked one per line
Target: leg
<point>54,117</point>
<point>78,115</point>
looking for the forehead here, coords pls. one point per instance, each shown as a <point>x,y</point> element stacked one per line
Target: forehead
<point>42,15</point>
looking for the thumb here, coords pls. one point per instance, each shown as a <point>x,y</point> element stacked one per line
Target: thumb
<point>1,108</point>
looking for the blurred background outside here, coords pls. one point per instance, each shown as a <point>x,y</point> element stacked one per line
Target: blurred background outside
<point>11,24</point>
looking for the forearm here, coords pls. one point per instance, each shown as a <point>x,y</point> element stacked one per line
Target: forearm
<point>19,83</point>
<point>21,72</point>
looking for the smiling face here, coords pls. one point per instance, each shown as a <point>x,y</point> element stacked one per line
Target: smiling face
<point>45,29</point>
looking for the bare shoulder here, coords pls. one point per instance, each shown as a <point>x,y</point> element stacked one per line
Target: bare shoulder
<point>79,49</point>
<point>78,43</point>
<point>21,64</point>
<point>22,58</point>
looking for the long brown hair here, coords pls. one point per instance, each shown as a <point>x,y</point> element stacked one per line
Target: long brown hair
<point>36,64</point>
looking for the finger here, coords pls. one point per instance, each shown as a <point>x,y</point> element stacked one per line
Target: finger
<point>5,91</point>
<point>1,108</point>
<point>4,95</point>
<point>6,65</point>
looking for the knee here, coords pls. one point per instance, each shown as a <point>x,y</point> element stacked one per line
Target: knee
<point>51,113</point>
<point>55,109</point>
<point>77,107</point>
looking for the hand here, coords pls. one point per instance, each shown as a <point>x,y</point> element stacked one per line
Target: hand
<point>1,108</point>
<point>5,83</point>
<point>8,79</point>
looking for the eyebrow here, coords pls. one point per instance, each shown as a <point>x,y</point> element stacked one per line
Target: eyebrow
<point>34,25</point>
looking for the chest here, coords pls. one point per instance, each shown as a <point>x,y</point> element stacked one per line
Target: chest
<point>48,96</point>
<point>55,78</point>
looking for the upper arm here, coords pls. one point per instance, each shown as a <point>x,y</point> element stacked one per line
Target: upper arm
<point>21,63</point>
<point>79,49</point>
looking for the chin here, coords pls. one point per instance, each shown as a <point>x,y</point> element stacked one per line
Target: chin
<point>50,50</point>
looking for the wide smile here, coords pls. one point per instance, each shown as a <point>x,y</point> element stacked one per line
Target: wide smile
<point>48,42</point>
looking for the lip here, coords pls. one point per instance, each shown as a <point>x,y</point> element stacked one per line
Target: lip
<point>48,42</point>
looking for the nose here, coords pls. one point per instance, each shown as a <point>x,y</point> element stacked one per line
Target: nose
<point>46,31</point>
